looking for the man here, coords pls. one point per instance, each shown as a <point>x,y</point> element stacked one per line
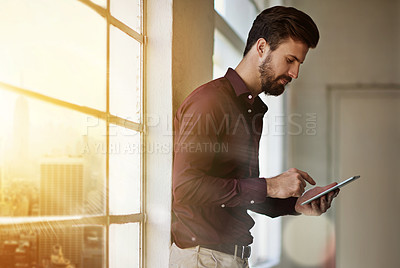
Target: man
<point>218,128</point>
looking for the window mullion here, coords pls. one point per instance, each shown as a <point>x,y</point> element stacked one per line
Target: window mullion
<point>126,29</point>
<point>107,257</point>
<point>143,136</point>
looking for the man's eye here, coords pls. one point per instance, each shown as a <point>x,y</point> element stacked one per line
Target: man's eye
<point>289,60</point>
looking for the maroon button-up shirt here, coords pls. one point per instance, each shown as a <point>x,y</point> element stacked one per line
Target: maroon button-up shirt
<point>216,172</point>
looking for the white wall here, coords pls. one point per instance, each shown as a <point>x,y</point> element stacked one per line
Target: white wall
<point>179,58</point>
<point>359,45</point>
<point>159,111</point>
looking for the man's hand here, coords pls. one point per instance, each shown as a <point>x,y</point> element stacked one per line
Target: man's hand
<point>318,206</point>
<point>288,184</point>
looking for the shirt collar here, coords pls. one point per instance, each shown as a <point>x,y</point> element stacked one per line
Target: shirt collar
<point>238,84</point>
<point>241,90</point>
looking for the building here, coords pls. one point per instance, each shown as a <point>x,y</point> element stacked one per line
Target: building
<point>61,187</point>
<point>61,194</point>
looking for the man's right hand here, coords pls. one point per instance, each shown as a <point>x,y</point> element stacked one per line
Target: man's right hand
<point>291,183</point>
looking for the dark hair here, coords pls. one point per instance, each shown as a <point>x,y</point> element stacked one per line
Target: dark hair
<point>277,23</point>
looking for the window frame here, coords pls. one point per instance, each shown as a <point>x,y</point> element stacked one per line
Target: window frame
<point>107,219</point>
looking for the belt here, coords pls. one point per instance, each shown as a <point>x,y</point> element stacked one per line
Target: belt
<point>242,252</point>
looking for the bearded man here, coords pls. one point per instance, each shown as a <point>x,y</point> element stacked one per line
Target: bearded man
<point>217,132</point>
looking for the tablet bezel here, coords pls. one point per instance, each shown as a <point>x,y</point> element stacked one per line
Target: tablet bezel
<point>343,183</point>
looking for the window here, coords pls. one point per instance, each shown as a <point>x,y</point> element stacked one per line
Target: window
<point>233,20</point>
<point>71,141</point>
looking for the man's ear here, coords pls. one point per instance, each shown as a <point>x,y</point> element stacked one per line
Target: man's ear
<point>262,47</point>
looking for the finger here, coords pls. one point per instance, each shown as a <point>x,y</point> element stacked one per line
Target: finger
<point>315,205</point>
<point>302,188</point>
<point>323,204</point>
<point>330,197</point>
<point>303,183</point>
<point>336,193</point>
<point>306,177</point>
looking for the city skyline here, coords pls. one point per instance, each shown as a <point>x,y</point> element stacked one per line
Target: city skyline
<point>44,179</point>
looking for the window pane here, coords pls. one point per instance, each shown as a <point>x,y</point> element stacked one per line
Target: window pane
<point>225,55</point>
<point>57,48</point>
<point>124,151</point>
<point>124,76</point>
<point>51,159</point>
<point>124,245</point>
<point>102,3</point>
<point>128,12</point>
<point>52,246</point>
<point>239,14</point>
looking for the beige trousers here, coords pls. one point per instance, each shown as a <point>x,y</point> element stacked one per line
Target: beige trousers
<point>199,257</point>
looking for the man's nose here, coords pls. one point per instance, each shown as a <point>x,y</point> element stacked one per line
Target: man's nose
<point>294,71</point>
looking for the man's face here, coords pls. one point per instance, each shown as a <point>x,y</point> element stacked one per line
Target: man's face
<point>281,65</point>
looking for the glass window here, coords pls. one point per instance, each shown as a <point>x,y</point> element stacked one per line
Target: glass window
<point>124,245</point>
<point>124,151</point>
<point>239,14</point>
<point>71,91</point>
<point>125,76</point>
<point>52,164</point>
<point>102,3</point>
<point>225,55</point>
<point>128,12</point>
<point>46,51</point>
<point>52,245</point>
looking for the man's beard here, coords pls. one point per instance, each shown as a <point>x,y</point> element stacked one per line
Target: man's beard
<point>269,84</point>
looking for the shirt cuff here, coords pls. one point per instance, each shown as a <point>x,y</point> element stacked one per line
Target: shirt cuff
<point>252,191</point>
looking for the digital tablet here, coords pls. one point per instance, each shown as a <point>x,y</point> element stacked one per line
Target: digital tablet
<point>339,185</point>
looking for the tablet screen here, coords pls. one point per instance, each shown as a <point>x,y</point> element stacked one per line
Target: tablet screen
<point>343,183</point>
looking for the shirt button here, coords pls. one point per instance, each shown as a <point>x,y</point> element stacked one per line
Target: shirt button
<point>252,202</point>
<point>250,97</point>
<point>223,205</point>
<point>193,238</point>
<point>249,110</point>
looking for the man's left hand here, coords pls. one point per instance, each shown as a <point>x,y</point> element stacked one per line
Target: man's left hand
<point>318,206</point>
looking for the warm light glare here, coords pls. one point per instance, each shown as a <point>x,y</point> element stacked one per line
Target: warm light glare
<point>53,153</point>
<point>124,245</point>
<point>128,12</point>
<point>124,155</point>
<point>57,48</point>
